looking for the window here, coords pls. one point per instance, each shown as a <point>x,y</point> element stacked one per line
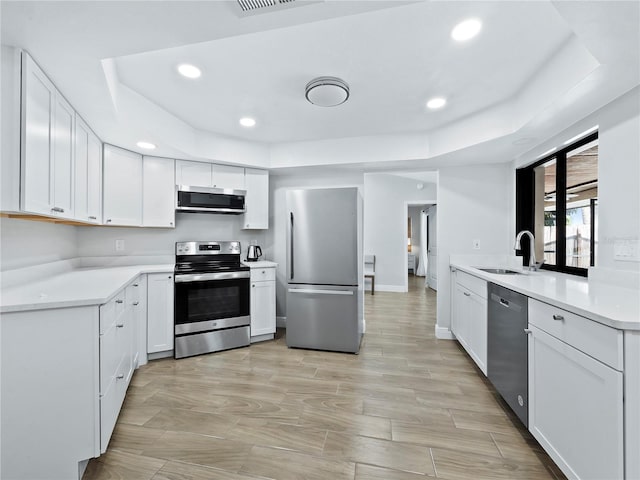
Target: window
<point>557,199</point>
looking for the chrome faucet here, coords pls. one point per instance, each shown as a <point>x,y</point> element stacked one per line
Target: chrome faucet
<point>533,265</point>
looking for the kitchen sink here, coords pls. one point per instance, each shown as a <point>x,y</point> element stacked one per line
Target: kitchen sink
<point>499,271</point>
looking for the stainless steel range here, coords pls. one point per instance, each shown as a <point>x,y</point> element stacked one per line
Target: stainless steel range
<point>211,298</point>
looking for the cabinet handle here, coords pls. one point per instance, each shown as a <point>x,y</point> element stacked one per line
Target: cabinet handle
<point>135,304</point>
<point>171,223</point>
<point>466,294</point>
<point>135,284</point>
<point>169,277</point>
<point>558,317</point>
<point>57,209</point>
<point>108,220</point>
<point>253,285</point>
<point>247,225</point>
<point>93,218</point>
<point>528,331</point>
<point>120,376</point>
<point>119,301</point>
<point>119,325</point>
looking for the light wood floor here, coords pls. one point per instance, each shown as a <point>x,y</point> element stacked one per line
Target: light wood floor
<point>408,406</point>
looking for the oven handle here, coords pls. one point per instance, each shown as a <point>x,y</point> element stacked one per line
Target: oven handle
<point>321,292</point>
<point>201,277</point>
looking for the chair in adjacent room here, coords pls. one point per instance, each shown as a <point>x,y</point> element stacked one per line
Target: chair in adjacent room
<point>370,271</point>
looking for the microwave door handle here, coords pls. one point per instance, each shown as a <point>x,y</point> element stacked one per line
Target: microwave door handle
<point>291,244</point>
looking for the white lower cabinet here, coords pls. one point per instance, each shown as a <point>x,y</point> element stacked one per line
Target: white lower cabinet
<point>575,408</point>
<point>263,303</point>
<point>159,312</point>
<point>469,316</point>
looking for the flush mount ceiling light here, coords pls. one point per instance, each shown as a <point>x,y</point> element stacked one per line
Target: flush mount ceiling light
<point>466,30</point>
<point>437,102</point>
<point>247,122</point>
<point>327,91</point>
<point>146,145</point>
<point>189,71</point>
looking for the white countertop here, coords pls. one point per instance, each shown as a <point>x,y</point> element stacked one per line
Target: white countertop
<point>74,288</point>
<point>611,305</point>
<point>260,264</point>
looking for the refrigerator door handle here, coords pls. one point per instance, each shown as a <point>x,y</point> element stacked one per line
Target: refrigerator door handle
<point>321,292</point>
<point>291,243</point>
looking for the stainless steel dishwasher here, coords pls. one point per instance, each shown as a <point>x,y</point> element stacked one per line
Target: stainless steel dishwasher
<point>507,348</point>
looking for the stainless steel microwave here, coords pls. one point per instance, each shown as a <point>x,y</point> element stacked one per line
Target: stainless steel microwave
<point>210,200</point>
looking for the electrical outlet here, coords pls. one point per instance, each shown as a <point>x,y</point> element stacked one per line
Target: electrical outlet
<point>476,244</point>
<point>626,250</point>
<point>119,245</point>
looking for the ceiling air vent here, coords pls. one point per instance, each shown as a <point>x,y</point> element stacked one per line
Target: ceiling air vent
<point>263,6</point>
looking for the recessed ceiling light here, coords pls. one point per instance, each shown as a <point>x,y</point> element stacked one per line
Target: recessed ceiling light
<point>466,30</point>
<point>247,122</point>
<point>189,71</point>
<point>437,102</point>
<point>146,145</point>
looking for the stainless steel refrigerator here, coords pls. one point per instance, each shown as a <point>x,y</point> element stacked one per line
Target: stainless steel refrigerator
<point>325,309</point>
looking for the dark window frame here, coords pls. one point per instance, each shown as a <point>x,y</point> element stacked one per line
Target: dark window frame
<point>525,206</point>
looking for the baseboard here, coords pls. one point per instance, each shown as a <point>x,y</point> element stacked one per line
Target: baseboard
<point>391,288</point>
<point>262,338</point>
<point>444,333</point>
<point>281,322</point>
<point>158,355</point>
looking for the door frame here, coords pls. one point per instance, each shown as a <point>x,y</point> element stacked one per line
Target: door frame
<point>407,204</point>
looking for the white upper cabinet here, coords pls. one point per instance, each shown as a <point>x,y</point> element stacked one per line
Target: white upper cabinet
<point>158,191</point>
<point>201,174</point>
<point>194,174</point>
<point>38,104</point>
<point>257,199</point>
<point>63,167</point>
<point>122,201</point>
<point>88,174</point>
<point>224,176</point>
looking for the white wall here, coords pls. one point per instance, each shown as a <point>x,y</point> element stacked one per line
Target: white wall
<point>474,202</point>
<point>385,224</point>
<point>275,247</point>
<point>24,243</point>
<point>98,242</point>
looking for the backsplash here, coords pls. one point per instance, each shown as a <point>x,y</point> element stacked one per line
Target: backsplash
<point>101,241</point>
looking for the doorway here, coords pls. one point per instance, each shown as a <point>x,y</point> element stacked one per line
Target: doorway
<point>420,241</point>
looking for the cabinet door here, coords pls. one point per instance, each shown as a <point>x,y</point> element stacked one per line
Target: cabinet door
<point>38,104</point>
<point>158,192</point>
<point>257,199</point>
<point>140,312</point>
<point>122,187</point>
<point>460,321</point>
<point>194,174</point>
<point>81,183</point>
<point>63,146</point>
<point>263,308</point>
<point>94,178</point>
<point>478,330</point>
<point>159,312</point>
<point>575,408</point>
<point>224,176</point>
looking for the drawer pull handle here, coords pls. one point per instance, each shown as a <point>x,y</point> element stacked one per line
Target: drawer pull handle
<point>120,376</point>
<point>135,304</point>
<point>528,331</point>
<point>108,220</point>
<point>135,284</point>
<point>92,217</point>
<point>558,317</point>
<point>57,209</point>
<point>119,301</point>
<point>466,294</point>
<point>119,325</point>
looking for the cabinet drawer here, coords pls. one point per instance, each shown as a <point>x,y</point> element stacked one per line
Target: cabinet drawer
<point>263,274</point>
<point>110,402</point>
<point>474,284</point>
<point>596,340</point>
<point>112,353</point>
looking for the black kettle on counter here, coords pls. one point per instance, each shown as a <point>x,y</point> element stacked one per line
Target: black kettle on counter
<point>254,253</point>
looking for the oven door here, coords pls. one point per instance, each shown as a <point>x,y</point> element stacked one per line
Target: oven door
<point>211,301</point>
